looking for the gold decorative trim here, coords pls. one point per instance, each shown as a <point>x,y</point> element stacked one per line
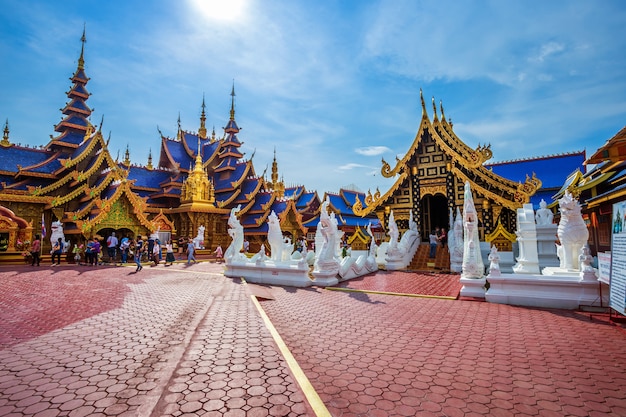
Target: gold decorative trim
<point>432,189</point>
<point>358,209</point>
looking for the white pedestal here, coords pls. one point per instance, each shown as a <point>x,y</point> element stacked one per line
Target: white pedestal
<point>473,287</point>
<point>294,274</point>
<point>566,291</point>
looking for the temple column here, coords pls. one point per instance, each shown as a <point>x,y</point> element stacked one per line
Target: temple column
<point>487,218</point>
<point>416,207</point>
<point>450,191</point>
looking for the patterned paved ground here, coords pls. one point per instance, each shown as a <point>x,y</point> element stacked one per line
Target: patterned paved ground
<point>379,355</point>
<point>442,285</point>
<point>186,341</point>
<point>80,341</point>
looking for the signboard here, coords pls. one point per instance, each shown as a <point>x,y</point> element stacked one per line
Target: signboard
<point>617,300</point>
<point>604,267</point>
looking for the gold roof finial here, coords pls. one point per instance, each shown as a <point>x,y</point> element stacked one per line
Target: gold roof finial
<point>443,115</point>
<point>179,134</point>
<point>232,102</point>
<point>5,137</point>
<point>202,130</point>
<point>81,59</point>
<point>149,166</point>
<point>423,104</point>
<point>434,109</point>
<point>126,160</point>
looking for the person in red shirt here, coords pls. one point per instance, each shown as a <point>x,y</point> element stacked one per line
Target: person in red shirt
<point>35,250</point>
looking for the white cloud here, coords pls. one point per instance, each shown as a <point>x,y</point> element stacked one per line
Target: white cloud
<point>372,150</point>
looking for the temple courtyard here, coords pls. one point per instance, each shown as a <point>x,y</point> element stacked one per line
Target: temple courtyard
<point>187,341</point>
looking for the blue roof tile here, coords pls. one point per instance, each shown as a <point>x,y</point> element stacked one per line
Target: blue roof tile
<point>552,171</point>
<point>13,156</point>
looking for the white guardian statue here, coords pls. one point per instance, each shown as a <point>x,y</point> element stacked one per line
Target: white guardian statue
<point>473,266</point>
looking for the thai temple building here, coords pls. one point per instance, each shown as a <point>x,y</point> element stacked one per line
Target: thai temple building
<point>430,178</point>
<point>198,178</point>
<point>196,181</point>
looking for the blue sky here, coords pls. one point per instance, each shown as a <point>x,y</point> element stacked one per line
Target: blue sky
<point>333,86</point>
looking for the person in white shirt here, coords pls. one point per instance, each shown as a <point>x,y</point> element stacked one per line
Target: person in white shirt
<point>112,247</point>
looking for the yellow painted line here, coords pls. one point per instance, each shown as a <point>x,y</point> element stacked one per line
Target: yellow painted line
<point>311,395</point>
<point>439,297</point>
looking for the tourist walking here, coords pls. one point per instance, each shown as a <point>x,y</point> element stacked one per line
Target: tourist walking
<point>169,253</point>
<point>139,250</point>
<point>57,250</point>
<point>95,252</point>
<point>156,252</point>
<point>434,241</point>
<point>35,250</point>
<point>190,252</point>
<point>125,248</point>
<point>76,251</point>
<point>443,237</point>
<point>219,254</point>
<point>112,248</point>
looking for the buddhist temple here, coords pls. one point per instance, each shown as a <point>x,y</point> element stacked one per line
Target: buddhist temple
<point>430,178</point>
<point>74,184</point>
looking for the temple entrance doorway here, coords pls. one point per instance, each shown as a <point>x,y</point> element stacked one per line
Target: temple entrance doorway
<point>434,214</point>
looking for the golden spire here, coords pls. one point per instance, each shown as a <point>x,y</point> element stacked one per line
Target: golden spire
<point>423,104</point>
<point>198,166</point>
<point>81,59</point>
<point>232,102</point>
<point>443,115</point>
<point>179,134</point>
<point>202,130</point>
<point>434,110</point>
<point>5,137</point>
<point>126,160</point>
<point>149,166</point>
<point>274,170</point>
<point>213,135</point>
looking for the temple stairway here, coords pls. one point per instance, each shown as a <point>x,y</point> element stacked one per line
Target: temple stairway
<point>421,261</point>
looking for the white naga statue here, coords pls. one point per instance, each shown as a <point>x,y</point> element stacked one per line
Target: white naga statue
<point>328,228</point>
<point>473,266</point>
<point>544,214</point>
<point>455,243</point>
<point>572,232</point>
<point>393,233</point>
<point>275,237</point>
<point>235,230</point>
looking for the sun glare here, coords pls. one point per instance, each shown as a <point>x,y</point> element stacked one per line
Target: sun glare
<point>220,9</point>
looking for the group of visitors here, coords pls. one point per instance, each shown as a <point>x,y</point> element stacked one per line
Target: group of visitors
<point>128,249</point>
<point>436,237</point>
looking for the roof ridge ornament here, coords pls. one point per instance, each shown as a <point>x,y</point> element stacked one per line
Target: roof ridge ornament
<point>5,143</point>
<point>424,114</point>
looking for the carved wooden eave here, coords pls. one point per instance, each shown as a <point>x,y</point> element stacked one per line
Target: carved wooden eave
<point>24,198</point>
<point>478,189</point>
<point>291,206</point>
<point>358,209</point>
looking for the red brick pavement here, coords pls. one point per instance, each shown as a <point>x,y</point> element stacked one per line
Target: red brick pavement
<point>186,341</point>
<point>435,284</point>
<point>380,355</point>
<point>175,341</point>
